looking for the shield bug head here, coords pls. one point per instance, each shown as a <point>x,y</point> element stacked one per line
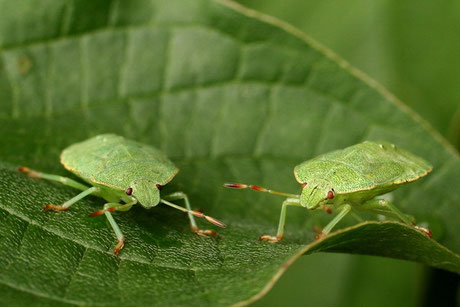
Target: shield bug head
<point>145,191</point>
<point>316,193</point>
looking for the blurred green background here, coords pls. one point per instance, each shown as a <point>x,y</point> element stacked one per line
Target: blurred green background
<point>410,47</point>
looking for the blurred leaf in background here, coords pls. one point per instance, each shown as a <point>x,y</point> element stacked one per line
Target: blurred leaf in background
<point>348,280</point>
<point>411,47</point>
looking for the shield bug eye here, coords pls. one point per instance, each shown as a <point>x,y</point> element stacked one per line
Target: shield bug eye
<point>330,194</point>
<point>304,185</point>
<point>159,187</point>
<point>129,191</point>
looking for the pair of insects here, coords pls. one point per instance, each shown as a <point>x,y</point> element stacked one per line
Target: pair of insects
<point>126,173</point>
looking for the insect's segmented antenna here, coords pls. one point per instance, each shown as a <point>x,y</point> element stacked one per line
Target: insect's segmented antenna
<point>195,213</point>
<point>208,218</point>
<point>257,188</point>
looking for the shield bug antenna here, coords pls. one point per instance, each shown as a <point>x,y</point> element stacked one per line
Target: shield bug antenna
<point>195,213</point>
<point>257,188</point>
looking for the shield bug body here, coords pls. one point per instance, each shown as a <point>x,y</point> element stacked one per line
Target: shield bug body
<point>124,173</point>
<point>350,179</point>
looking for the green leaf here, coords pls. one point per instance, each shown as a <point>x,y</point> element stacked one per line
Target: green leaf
<point>331,279</point>
<point>229,95</point>
<point>408,46</point>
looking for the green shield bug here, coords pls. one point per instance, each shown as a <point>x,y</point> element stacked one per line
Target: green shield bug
<point>349,179</point>
<point>120,170</point>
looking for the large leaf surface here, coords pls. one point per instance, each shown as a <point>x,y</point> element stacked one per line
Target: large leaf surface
<point>229,97</point>
<point>409,47</point>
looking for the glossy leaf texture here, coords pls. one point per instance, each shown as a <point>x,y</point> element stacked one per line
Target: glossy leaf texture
<point>409,47</point>
<point>229,95</point>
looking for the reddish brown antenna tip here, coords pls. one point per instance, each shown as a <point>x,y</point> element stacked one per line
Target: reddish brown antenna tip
<point>235,185</point>
<point>215,222</point>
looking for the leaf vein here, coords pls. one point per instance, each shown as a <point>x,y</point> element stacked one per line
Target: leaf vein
<point>166,66</point>
<point>39,294</point>
<point>63,236</point>
<point>270,114</point>
<point>75,272</point>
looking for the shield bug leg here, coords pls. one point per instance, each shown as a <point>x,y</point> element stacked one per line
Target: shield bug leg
<point>344,210</point>
<point>280,233</point>
<point>116,229</point>
<point>193,224</point>
<point>381,206</point>
<point>292,200</point>
<point>71,201</point>
<point>356,217</point>
<point>192,213</point>
<point>425,231</point>
<point>64,180</point>
<point>376,206</point>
